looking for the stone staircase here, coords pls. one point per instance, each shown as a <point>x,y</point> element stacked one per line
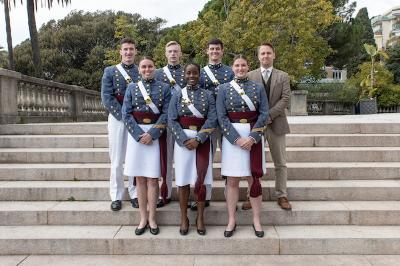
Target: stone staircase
<point>344,185</point>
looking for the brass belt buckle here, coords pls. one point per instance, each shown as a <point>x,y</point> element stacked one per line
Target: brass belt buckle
<point>243,121</point>
<point>147,120</point>
<point>193,128</point>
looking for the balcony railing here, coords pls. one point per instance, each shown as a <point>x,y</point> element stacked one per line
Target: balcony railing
<point>27,99</point>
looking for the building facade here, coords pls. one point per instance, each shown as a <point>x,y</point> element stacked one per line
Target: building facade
<point>387,28</point>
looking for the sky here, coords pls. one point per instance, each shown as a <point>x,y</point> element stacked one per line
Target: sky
<point>173,11</point>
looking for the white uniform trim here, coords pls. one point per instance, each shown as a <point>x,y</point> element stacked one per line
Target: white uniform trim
<point>147,98</point>
<point>171,79</point>
<point>242,94</point>
<point>211,75</point>
<point>190,105</point>
<point>124,74</point>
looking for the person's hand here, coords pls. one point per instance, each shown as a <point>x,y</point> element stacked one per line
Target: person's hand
<point>191,144</point>
<point>146,139</point>
<point>269,120</point>
<point>248,142</point>
<point>240,141</point>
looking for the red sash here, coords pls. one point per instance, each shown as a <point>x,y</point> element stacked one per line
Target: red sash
<point>151,118</point>
<point>255,152</point>
<point>120,98</point>
<point>202,155</point>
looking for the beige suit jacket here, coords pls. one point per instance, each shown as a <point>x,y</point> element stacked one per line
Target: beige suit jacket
<point>278,98</point>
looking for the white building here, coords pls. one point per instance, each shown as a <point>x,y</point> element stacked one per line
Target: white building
<point>387,28</point>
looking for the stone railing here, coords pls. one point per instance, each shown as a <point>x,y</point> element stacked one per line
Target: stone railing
<point>326,107</point>
<point>26,99</point>
<point>393,109</point>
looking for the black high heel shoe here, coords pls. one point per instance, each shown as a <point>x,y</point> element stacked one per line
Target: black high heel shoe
<point>201,232</point>
<point>258,233</point>
<point>229,233</point>
<point>184,232</point>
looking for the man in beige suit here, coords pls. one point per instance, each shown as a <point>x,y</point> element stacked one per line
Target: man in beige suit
<point>277,86</point>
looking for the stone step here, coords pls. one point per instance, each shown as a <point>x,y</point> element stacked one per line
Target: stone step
<point>381,124</point>
<point>294,154</point>
<point>346,190</point>
<point>99,213</point>
<point>292,140</point>
<point>296,171</point>
<point>120,240</point>
<point>201,260</point>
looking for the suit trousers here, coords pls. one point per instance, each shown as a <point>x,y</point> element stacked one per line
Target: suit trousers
<point>117,138</point>
<point>277,147</point>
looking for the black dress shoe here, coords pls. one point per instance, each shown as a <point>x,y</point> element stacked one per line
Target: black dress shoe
<point>160,203</point>
<point>258,233</point>
<point>154,231</point>
<point>229,233</point>
<point>116,205</point>
<point>193,206</point>
<point>135,203</point>
<point>184,232</point>
<point>140,231</point>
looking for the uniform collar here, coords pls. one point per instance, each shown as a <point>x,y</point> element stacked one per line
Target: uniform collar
<point>148,81</point>
<point>174,67</point>
<point>242,80</point>
<point>195,87</point>
<point>215,66</point>
<point>127,66</point>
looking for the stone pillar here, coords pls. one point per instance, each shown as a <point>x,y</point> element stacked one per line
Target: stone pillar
<point>298,102</point>
<point>9,96</point>
<point>77,104</point>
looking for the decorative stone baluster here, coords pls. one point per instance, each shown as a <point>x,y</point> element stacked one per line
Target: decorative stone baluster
<point>20,99</point>
<point>28,98</point>
<point>39,100</point>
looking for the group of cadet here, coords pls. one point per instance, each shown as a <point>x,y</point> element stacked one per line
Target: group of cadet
<point>179,115</point>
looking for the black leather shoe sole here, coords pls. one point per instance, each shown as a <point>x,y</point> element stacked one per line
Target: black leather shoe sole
<point>258,233</point>
<point>155,231</point>
<point>135,203</point>
<point>140,231</point>
<point>116,205</point>
<point>229,233</point>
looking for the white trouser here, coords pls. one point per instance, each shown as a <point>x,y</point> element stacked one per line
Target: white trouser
<point>117,136</point>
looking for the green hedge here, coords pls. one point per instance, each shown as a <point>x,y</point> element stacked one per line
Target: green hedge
<point>338,92</point>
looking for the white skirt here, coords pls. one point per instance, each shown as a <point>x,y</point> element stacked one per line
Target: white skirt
<point>235,161</point>
<point>141,159</point>
<point>185,164</point>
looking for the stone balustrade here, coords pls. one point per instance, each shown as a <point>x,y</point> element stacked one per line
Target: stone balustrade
<point>26,99</point>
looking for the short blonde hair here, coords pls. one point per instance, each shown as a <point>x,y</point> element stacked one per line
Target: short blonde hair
<point>172,43</point>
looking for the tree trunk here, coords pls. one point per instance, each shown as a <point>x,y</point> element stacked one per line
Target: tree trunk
<point>9,37</point>
<point>34,37</point>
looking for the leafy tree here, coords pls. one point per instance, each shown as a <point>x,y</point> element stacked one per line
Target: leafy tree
<point>290,25</point>
<point>393,62</point>
<point>3,58</point>
<point>74,48</point>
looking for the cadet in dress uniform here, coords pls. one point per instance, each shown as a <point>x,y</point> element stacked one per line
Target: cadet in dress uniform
<point>212,75</point>
<point>113,86</point>
<point>145,116</point>
<point>192,118</point>
<point>242,110</point>
<point>172,74</point>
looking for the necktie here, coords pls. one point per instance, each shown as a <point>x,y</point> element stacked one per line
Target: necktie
<point>266,75</point>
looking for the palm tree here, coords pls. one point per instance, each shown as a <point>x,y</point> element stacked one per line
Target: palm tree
<point>31,6</point>
<point>8,30</point>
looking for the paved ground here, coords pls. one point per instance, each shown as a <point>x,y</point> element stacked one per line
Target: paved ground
<point>376,118</point>
<point>292,260</point>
